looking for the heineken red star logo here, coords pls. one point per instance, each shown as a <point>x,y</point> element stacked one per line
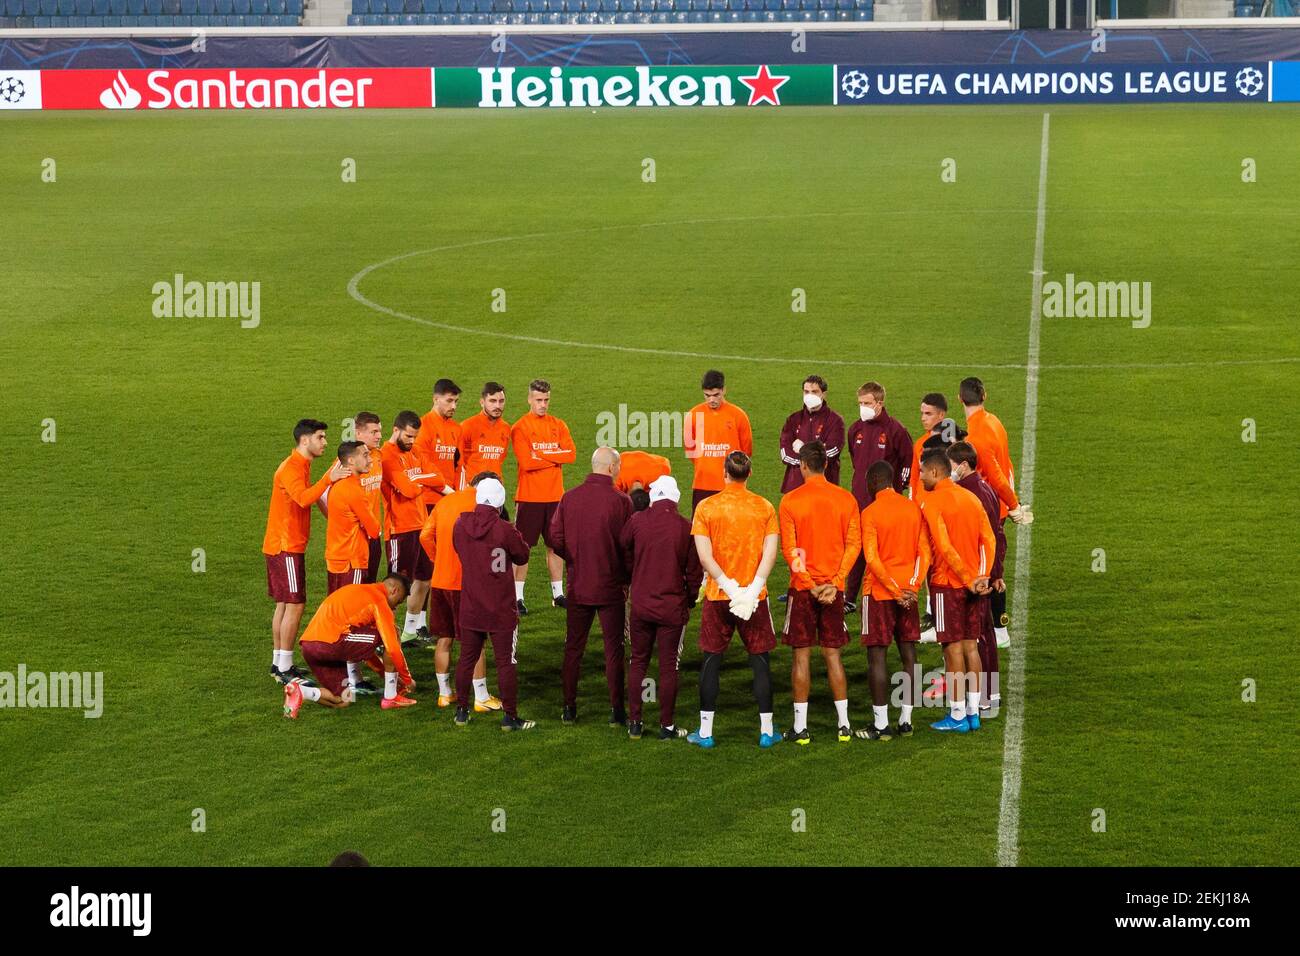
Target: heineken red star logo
<point>763,86</point>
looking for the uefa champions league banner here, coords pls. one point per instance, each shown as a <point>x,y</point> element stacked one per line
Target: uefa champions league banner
<point>763,86</point>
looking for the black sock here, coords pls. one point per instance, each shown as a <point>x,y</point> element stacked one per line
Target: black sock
<point>710,678</point>
<point>762,682</point>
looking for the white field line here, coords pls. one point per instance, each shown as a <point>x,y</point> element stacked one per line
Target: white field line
<point>1013,741</point>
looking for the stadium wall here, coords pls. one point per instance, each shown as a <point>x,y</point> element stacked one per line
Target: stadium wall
<point>526,68</point>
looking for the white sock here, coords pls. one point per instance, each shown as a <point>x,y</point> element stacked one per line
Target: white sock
<point>958,710</point>
<point>973,704</point>
<point>420,621</point>
<point>557,589</point>
<point>706,723</point>
<point>480,690</point>
<point>444,685</point>
<point>309,693</point>
<point>800,717</point>
<point>275,658</point>
<point>842,711</point>
<point>390,684</point>
<point>411,623</point>
<point>354,674</point>
<point>519,590</point>
<point>905,714</point>
<point>765,724</point>
<point>286,660</point>
<point>881,714</point>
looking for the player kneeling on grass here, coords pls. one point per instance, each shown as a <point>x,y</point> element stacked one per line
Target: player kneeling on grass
<point>896,553</point>
<point>737,536</point>
<point>665,570</point>
<point>354,625</point>
<point>488,547</point>
<point>963,545</point>
<point>820,538</point>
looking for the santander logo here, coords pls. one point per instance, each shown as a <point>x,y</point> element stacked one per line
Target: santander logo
<point>120,96</point>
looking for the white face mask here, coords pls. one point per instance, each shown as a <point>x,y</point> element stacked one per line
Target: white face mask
<point>866,412</point>
<point>811,402</point>
<point>957,473</point>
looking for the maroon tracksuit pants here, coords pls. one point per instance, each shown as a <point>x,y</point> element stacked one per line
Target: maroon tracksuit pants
<point>580,617</point>
<point>988,645</point>
<point>503,657</point>
<point>646,636</point>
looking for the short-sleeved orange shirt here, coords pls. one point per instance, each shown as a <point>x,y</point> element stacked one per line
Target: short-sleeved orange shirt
<point>737,522</point>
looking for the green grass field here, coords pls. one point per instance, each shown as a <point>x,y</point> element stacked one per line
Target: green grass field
<point>168,431</point>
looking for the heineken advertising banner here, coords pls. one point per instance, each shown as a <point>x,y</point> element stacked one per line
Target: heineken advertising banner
<point>765,86</point>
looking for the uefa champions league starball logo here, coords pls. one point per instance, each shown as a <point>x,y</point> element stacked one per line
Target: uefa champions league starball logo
<point>855,84</point>
<point>12,89</point>
<point>1249,81</point>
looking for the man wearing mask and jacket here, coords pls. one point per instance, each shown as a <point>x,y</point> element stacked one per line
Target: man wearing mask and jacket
<point>814,422</point>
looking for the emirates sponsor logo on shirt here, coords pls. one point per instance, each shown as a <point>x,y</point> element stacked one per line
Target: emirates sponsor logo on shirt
<point>714,449</point>
<point>444,451</point>
<point>491,451</point>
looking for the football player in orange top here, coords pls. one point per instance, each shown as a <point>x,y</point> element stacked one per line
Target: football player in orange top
<point>713,430</point>
<point>820,539</point>
<point>485,437</point>
<point>288,525</point>
<point>542,446</point>
<point>370,432</point>
<point>438,444</point>
<point>351,524</point>
<point>351,626</point>
<point>964,548</point>
<point>640,469</point>
<point>989,439</point>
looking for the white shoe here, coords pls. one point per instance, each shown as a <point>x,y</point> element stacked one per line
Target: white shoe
<point>1003,637</point>
<point>408,636</point>
<point>928,636</point>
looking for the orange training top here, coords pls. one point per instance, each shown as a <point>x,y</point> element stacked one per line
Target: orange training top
<point>483,446</point>
<point>403,492</point>
<point>895,545</point>
<point>435,537</point>
<point>350,527</point>
<point>821,533</point>
<point>737,522</point>
<point>640,466</point>
<point>288,519</point>
<point>961,537</point>
<point>358,605</point>
<point>542,444</point>
<point>437,446</point>
<point>709,436</point>
<point>372,484</point>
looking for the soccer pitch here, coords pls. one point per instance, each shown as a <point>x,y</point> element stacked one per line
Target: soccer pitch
<point>622,292</point>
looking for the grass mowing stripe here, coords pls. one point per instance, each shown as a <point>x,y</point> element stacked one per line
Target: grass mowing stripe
<point>1013,737</point>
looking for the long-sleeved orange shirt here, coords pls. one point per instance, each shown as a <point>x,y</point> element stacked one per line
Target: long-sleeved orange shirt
<point>542,445</point>
<point>288,519</point>
<point>483,446</point>
<point>642,467</point>
<point>435,537</point>
<point>989,439</point>
<point>358,605</point>
<point>709,436</point>
<point>372,484</point>
<point>821,533</point>
<point>404,493</point>
<point>438,448</point>
<point>350,527</point>
<point>961,537</point>
<point>895,545</point>
<point>914,476</point>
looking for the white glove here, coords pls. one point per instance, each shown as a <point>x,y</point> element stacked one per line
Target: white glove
<point>796,445</point>
<point>1021,515</point>
<point>730,587</point>
<point>744,606</point>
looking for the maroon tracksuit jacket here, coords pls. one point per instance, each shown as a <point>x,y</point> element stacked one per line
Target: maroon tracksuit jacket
<point>488,546</point>
<point>988,644</point>
<point>664,566</point>
<point>881,439</point>
<point>822,425</point>
<point>584,532</point>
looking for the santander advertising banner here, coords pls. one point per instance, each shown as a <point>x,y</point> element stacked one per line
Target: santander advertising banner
<point>253,89</point>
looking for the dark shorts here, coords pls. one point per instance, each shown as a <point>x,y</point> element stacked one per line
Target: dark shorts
<point>343,578</point>
<point>372,565</point>
<point>717,624</point>
<point>885,620</point>
<point>957,614</point>
<point>809,623</point>
<point>286,577</point>
<point>407,557</point>
<point>444,612</point>
<point>533,520</point>
<point>698,495</point>
<point>329,662</point>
